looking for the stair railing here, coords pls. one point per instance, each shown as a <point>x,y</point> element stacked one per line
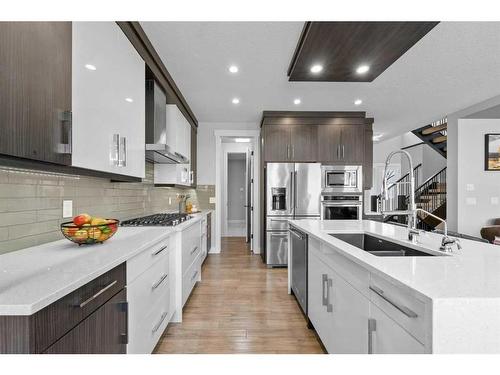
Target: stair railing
<point>432,193</point>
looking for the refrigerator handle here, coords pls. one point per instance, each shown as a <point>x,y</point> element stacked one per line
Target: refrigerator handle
<point>292,194</point>
<point>295,189</point>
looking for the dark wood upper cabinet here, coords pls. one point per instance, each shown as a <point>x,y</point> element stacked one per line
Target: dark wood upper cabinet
<point>276,143</point>
<point>35,90</point>
<point>329,143</point>
<point>304,143</point>
<point>352,144</point>
<point>368,162</point>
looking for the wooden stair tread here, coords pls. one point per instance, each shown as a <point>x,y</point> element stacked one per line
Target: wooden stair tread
<point>434,129</point>
<point>440,139</point>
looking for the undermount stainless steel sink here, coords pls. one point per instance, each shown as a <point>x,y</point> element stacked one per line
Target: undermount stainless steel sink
<point>378,246</point>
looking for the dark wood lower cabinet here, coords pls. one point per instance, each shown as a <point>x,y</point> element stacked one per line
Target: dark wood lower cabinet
<point>102,332</point>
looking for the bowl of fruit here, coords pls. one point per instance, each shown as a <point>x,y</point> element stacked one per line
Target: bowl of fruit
<point>85,229</point>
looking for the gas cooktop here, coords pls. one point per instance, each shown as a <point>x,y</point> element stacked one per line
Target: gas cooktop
<point>167,220</point>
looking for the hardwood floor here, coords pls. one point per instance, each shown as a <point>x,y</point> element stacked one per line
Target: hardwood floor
<point>240,306</point>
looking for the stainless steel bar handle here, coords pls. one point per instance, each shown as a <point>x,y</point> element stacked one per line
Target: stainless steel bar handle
<point>293,152</point>
<point>288,152</point>
<point>122,152</point>
<point>158,325</point>
<point>87,301</point>
<point>338,152</point>
<point>372,328</point>
<point>343,152</point>
<point>324,291</point>
<point>329,306</point>
<point>191,177</point>
<point>159,250</point>
<point>194,275</point>
<point>278,220</point>
<point>405,310</point>
<point>115,152</point>
<point>194,250</point>
<point>295,189</point>
<point>161,280</point>
<point>296,234</point>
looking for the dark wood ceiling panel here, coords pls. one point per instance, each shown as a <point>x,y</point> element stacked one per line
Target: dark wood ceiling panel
<point>340,47</point>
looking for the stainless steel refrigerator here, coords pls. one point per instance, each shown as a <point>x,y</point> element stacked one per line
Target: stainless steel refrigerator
<point>293,191</point>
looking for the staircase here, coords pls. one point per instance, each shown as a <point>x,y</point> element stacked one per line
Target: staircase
<point>435,135</point>
<point>430,196</point>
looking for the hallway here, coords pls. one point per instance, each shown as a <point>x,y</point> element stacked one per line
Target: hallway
<point>240,306</point>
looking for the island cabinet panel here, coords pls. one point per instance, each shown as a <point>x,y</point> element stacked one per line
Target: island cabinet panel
<point>387,337</point>
<point>103,332</point>
<point>35,94</point>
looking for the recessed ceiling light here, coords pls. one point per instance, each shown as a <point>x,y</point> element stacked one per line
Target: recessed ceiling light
<point>297,101</point>
<point>242,140</point>
<point>130,100</point>
<point>316,68</point>
<point>362,69</point>
<point>233,69</point>
<point>236,101</point>
<point>90,67</point>
<point>358,102</point>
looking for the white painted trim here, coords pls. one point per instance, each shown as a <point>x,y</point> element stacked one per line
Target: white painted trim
<point>236,221</point>
<point>254,134</point>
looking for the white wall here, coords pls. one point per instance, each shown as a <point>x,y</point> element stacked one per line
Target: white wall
<point>206,147</point>
<point>236,189</point>
<point>453,153</point>
<point>478,190</point>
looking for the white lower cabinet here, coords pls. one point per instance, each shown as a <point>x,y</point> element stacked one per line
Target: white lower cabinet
<point>348,321</point>
<point>388,337</point>
<point>150,296</point>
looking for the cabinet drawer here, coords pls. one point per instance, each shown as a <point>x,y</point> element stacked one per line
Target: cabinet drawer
<point>355,275</point>
<point>148,288</point>
<point>141,262</point>
<point>190,239</point>
<point>189,279</point>
<point>57,319</point>
<point>145,332</point>
<point>401,305</point>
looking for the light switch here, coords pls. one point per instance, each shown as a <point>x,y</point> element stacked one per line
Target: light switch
<point>212,200</point>
<point>470,187</point>
<point>494,200</point>
<point>67,209</point>
<point>470,201</point>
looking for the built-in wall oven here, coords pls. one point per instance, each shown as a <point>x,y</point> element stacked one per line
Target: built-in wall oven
<point>341,206</point>
<point>341,178</point>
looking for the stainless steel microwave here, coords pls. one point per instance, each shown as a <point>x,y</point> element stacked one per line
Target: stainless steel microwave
<point>341,178</point>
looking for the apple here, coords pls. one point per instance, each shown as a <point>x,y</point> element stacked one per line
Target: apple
<point>82,219</point>
<point>98,221</point>
<point>80,235</point>
<point>70,231</point>
<point>94,233</point>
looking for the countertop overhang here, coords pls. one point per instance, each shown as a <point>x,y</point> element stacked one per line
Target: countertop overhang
<point>473,272</point>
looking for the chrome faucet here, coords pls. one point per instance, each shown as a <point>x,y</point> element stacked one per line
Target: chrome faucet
<point>411,212</point>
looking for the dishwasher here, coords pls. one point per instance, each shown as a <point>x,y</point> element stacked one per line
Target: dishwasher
<point>298,249</point>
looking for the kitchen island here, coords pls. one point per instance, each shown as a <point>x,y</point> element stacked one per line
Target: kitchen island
<point>362,303</point>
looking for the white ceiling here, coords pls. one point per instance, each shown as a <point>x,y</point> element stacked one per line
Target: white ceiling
<point>454,66</point>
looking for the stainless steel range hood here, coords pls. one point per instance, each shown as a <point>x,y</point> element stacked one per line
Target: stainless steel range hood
<point>158,149</point>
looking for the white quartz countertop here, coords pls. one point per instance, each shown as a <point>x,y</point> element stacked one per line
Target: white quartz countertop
<point>33,278</point>
<point>473,272</point>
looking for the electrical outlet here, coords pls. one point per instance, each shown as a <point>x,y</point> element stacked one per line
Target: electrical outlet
<point>212,200</point>
<point>67,209</point>
<point>470,201</point>
<point>494,201</point>
<point>470,187</point>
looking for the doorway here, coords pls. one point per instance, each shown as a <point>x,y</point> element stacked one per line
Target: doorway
<point>237,188</point>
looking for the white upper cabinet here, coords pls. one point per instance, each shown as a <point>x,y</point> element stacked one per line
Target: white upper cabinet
<point>178,131</point>
<point>108,100</point>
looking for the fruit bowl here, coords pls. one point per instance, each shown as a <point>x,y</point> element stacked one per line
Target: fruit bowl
<point>89,234</point>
